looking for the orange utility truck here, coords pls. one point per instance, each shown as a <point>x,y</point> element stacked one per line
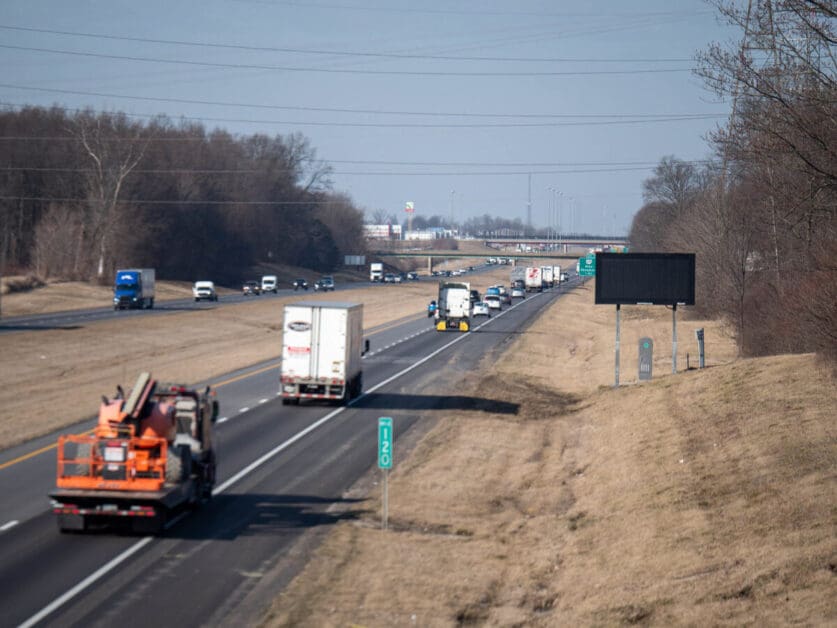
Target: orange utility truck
<point>150,455</point>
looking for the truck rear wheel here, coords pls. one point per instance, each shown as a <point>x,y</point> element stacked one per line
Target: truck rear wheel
<point>178,464</point>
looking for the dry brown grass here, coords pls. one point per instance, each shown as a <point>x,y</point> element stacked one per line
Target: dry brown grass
<point>67,370</point>
<point>701,498</point>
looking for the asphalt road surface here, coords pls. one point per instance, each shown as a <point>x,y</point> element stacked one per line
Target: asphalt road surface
<point>283,475</point>
<point>70,319</point>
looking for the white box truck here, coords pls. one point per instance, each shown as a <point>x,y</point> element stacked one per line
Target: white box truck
<point>376,271</point>
<point>547,276</point>
<point>453,309</point>
<point>270,283</point>
<point>534,279</point>
<point>322,346</point>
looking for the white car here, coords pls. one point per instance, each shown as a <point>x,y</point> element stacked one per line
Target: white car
<point>481,309</point>
<point>518,293</point>
<point>564,277</point>
<point>493,301</point>
<point>204,290</point>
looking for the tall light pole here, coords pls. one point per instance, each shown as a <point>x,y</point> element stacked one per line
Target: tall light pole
<point>549,211</point>
<point>450,209</point>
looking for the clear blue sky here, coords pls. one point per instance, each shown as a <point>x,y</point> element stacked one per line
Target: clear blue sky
<point>503,88</point>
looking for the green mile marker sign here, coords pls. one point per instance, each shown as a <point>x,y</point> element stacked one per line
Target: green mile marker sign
<point>385,442</point>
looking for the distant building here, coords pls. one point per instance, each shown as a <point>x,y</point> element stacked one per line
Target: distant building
<point>433,233</point>
<point>382,232</point>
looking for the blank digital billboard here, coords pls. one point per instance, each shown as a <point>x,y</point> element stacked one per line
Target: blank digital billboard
<point>656,278</point>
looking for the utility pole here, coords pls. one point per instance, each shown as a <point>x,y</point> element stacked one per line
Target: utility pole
<point>529,206</point>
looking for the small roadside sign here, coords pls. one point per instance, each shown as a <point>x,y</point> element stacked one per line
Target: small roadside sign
<point>385,442</point>
<point>587,266</point>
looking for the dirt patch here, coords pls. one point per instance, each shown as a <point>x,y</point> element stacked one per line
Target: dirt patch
<point>67,370</point>
<point>696,498</point>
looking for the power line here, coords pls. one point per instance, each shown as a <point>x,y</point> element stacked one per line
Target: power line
<point>493,173</point>
<point>479,12</point>
<point>281,68</point>
<point>440,164</point>
<point>342,53</point>
<point>216,103</point>
<point>411,125</point>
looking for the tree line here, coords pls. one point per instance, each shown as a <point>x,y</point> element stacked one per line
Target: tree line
<point>761,215</point>
<point>85,193</point>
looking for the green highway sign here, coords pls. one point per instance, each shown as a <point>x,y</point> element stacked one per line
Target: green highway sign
<point>385,442</point>
<point>587,266</point>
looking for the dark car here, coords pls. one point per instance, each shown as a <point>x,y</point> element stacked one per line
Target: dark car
<point>475,296</point>
<point>251,288</point>
<point>300,284</point>
<point>324,284</point>
<point>412,276</point>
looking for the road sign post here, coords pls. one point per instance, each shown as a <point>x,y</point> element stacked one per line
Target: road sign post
<point>385,461</point>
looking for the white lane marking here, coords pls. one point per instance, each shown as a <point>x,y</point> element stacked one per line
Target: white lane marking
<point>81,586</point>
<point>263,400</point>
<point>243,410</point>
<point>8,526</point>
<point>223,419</point>
<point>118,560</point>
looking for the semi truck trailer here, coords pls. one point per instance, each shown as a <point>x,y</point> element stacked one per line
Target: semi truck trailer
<point>322,347</point>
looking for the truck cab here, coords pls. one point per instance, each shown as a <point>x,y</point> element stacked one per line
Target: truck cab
<point>270,283</point>
<point>133,289</point>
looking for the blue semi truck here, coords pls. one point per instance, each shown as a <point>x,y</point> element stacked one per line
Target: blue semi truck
<point>134,289</point>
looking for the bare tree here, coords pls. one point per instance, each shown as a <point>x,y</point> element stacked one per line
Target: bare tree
<point>115,148</point>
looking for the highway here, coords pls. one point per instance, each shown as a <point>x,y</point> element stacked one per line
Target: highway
<point>69,319</point>
<point>283,476</point>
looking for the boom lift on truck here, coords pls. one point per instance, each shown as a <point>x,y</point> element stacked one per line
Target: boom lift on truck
<point>149,455</point>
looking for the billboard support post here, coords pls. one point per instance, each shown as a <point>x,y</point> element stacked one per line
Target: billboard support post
<point>616,383</point>
<point>674,339</point>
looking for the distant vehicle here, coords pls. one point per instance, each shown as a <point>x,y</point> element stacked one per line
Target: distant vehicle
<point>376,271</point>
<point>518,292</point>
<point>435,273</point>
<point>475,296</point>
<point>134,289</point>
<point>389,278</point>
<point>534,279</point>
<point>470,268</point>
<point>564,277</point>
<point>324,284</point>
<point>270,283</point>
<point>400,277</point>
<point>481,309</point>
<point>300,284</point>
<point>454,310</point>
<point>493,301</point>
<point>251,289</point>
<point>505,296</point>
<point>462,271</point>
<point>431,309</point>
<point>413,276</point>
<point>204,290</point>
<point>493,290</point>
<point>547,276</point>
